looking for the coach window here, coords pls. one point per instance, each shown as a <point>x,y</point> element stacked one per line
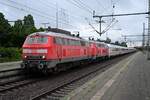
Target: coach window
<point>97,45</point>
<point>91,44</point>
<point>79,44</point>
<point>63,41</point>
<point>58,40</point>
<point>72,42</point>
<point>86,44</point>
<point>76,42</point>
<point>102,45</point>
<point>82,43</point>
<point>68,42</point>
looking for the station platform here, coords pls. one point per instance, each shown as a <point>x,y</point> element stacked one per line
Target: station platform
<point>127,80</point>
<point>9,65</point>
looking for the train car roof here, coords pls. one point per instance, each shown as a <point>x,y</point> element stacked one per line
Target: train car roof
<point>116,46</point>
<point>92,41</point>
<point>56,35</point>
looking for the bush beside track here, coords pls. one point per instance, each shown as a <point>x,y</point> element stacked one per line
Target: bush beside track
<point>10,54</point>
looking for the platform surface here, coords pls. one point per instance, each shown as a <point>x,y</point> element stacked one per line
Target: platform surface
<point>134,84</point>
<point>9,65</point>
<point>127,80</point>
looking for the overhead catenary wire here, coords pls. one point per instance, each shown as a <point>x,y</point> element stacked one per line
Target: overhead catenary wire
<point>79,6</point>
<point>85,5</point>
<point>47,16</point>
<point>109,26</point>
<point>34,12</point>
<point>32,9</point>
<point>100,5</point>
<point>52,5</point>
<point>92,26</point>
<point>81,3</point>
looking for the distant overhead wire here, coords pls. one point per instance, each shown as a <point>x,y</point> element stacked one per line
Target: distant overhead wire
<point>77,4</point>
<point>59,8</point>
<point>83,4</point>
<point>100,5</point>
<point>47,5</point>
<point>29,8</point>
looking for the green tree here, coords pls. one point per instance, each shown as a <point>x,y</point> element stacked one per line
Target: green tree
<point>41,29</point>
<point>14,36</point>
<point>108,40</point>
<point>117,43</point>
<point>5,29</point>
<point>124,44</point>
<point>4,25</point>
<point>28,21</point>
<point>18,27</point>
<point>21,29</point>
<point>29,24</point>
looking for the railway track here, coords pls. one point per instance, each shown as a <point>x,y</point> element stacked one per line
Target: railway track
<point>55,86</point>
<point>60,91</point>
<point>10,72</point>
<point>7,76</point>
<point>11,79</point>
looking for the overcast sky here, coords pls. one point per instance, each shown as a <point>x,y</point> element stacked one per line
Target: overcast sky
<point>74,15</point>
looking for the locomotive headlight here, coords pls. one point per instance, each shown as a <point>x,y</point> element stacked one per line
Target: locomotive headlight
<point>43,57</point>
<point>25,56</point>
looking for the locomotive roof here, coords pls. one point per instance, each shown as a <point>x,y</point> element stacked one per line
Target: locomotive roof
<point>56,35</point>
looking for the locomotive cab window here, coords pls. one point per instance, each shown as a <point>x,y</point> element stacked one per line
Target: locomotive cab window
<point>36,39</point>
